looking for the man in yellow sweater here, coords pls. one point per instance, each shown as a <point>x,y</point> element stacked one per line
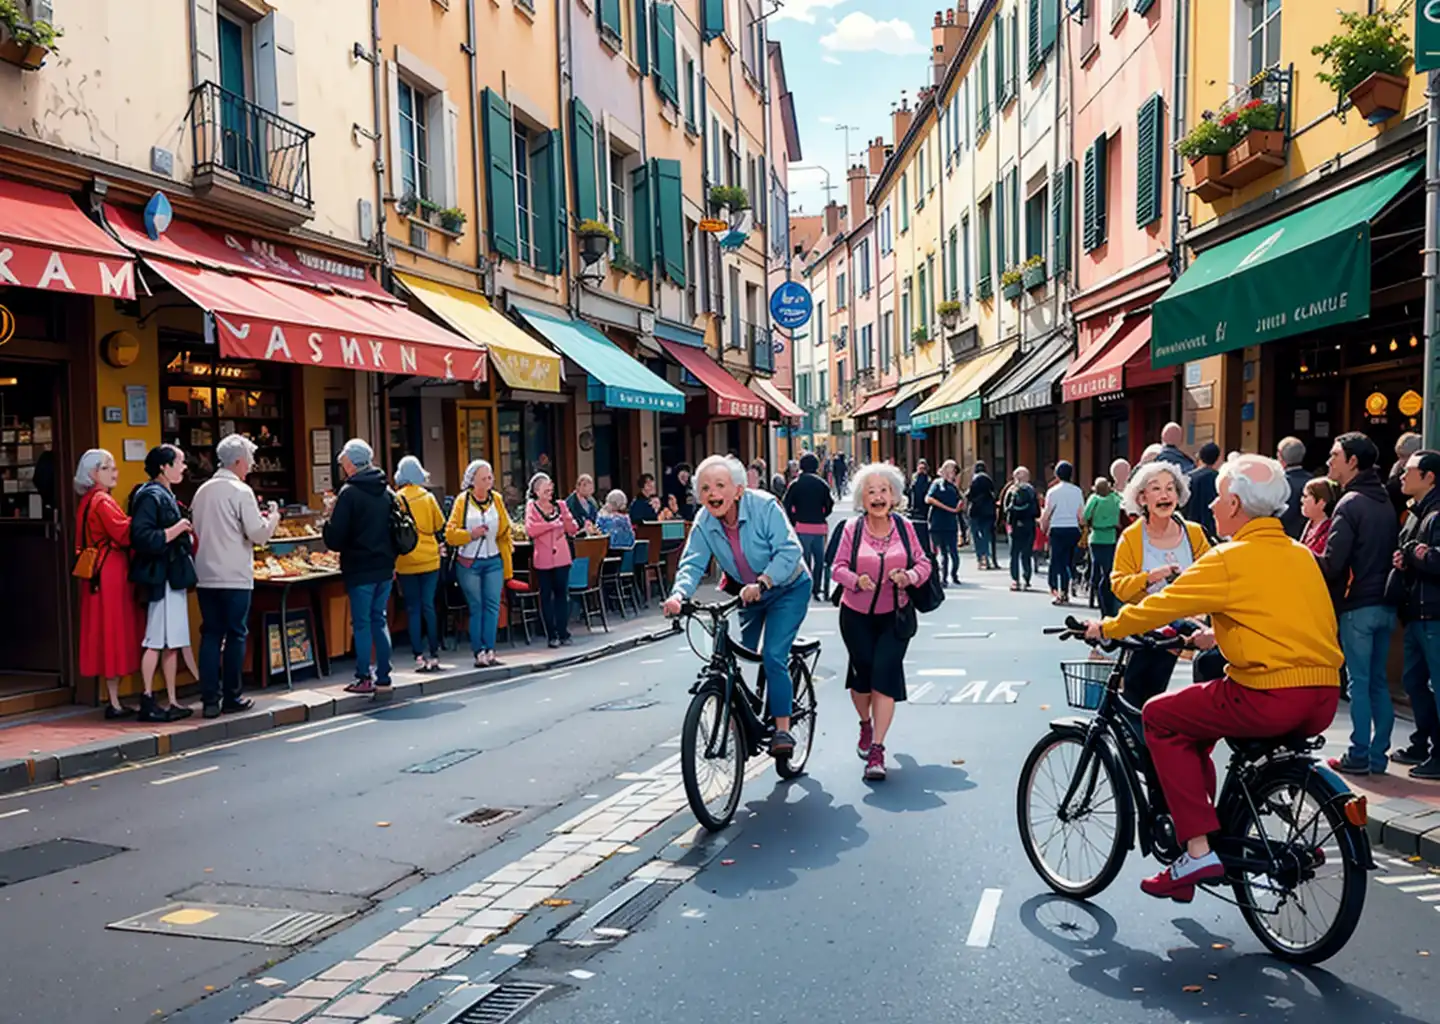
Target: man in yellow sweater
<point>1275,625</point>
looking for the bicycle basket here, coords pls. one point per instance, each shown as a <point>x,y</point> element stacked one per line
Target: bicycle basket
<point>1085,682</point>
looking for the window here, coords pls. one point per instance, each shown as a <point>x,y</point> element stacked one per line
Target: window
<point>886,239</point>
<point>1012,194</point>
<point>904,202</point>
<point>414,142</point>
<point>863,260</point>
<point>865,358</point>
<point>842,295</point>
<point>839,381</point>
<point>982,247</point>
<point>1037,208</point>
<point>1002,80</point>
<point>1062,185</point>
<point>920,177</point>
<point>907,319</point>
<point>524,208</point>
<point>802,390</point>
<point>887,340</point>
<point>922,314</point>
<point>965,256</point>
<point>952,267</point>
<point>822,393</point>
<point>692,272</point>
<point>717,165</point>
<point>1263,35</point>
<point>619,202</point>
<point>756,197</point>
<point>732,160</point>
<point>690,93</point>
<point>1088,19</point>
<point>982,96</point>
<point>929,306</point>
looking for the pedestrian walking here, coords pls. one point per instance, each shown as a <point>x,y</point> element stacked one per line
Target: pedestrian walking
<point>358,527</point>
<point>1204,487</point>
<point>162,566</point>
<point>1064,502</point>
<point>809,504</point>
<point>842,469</point>
<point>1291,454</point>
<point>418,572</point>
<point>1022,514</point>
<point>479,533</point>
<point>584,509</point>
<point>980,501</point>
<point>1416,575</point>
<point>875,566</point>
<point>1170,437</point>
<point>1405,446</point>
<point>110,624</point>
<point>1151,554</point>
<point>228,525</point>
<point>920,491</point>
<point>1356,564</point>
<point>614,521</point>
<point>943,499</point>
<point>1102,518</point>
<point>549,527</point>
<point>1317,505</point>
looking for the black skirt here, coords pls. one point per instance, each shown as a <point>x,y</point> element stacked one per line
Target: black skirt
<point>877,654</point>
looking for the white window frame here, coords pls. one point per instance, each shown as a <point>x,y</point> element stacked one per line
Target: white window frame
<point>618,199</point>
<point>416,162</point>
<point>524,216</point>
<point>1269,28</point>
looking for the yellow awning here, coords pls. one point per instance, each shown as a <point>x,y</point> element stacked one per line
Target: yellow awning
<point>949,403</point>
<point>523,363</point>
<point>912,388</point>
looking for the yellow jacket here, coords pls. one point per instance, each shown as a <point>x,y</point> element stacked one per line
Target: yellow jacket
<point>429,523</point>
<point>457,535</point>
<point>1128,579</point>
<point>1271,610</point>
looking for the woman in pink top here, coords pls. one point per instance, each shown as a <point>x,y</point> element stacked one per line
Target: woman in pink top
<point>550,526</point>
<point>873,569</point>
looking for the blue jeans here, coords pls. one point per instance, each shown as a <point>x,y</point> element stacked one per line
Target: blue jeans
<point>368,605</point>
<point>779,613</point>
<point>1063,541</point>
<point>418,590</point>
<point>984,530</point>
<point>224,623</point>
<point>947,554</point>
<point>1422,680</point>
<point>1102,561</point>
<point>481,583</point>
<point>1365,641</point>
<point>812,546</point>
<point>1022,553</point>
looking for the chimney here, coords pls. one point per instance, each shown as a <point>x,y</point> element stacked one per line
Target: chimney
<point>876,157</point>
<point>832,218</point>
<point>859,185</point>
<point>900,119</point>
<point>945,37</point>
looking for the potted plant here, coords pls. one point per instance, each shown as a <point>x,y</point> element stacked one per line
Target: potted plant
<point>1366,63</point>
<point>920,336</point>
<point>429,210</point>
<point>452,219</point>
<point>1260,145</point>
<point>404,206</point>
<point>1205,147</point>
<point>1012,283</point>
<point>985,288</point>
<point>949,311</point>
<point>595,240</point>
<point>1032,273</point>
<point>729,197</point>
<point>23,42</point>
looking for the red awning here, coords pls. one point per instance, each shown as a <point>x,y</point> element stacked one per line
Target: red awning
<point>47,243</point>
<point>1101,370</point>
<point>728,397</point>
<point>874,403</point>
<point>777,400</point>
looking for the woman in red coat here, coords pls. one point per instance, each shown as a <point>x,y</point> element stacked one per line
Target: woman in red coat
<point>110,620</point>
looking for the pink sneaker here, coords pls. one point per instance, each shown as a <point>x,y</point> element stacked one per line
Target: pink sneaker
<point>875,763</point>
<point>867,737</point>
<point>1178,881</point>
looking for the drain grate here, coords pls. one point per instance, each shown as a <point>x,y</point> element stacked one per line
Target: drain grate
<point>261,926</point>
<point>634,910</point>
<point>439,764</point>
<point>489,815</point>
<point>626,704</point>
<point>504,1004</point>
<point>26,862</point>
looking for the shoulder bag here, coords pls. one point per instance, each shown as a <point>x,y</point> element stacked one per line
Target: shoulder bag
<point>91,557</point>
<point>403,532</point>
<point>927,596</point>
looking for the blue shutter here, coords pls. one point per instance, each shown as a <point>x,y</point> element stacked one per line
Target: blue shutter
<point>1049,24</point>
<point>670,215</point>
<point>643,231</point>
<point>500,176</point>
<point>609,11</point>
<point>1143,6</point>
<point>642,37</point>
<point>582,134</point>
<point>714,19</point>
<point>665,73</point>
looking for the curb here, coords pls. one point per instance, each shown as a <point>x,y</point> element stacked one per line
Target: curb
<point>1409,827</point>
<point>91,758</point>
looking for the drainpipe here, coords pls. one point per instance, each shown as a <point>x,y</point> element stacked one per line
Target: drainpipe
<point>1179,213</point>
<point>379,131</point>
<point>565,49</point>
<point>482,262</point>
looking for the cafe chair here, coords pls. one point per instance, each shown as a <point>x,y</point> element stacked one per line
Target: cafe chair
<point>524,606</point>
<point>585,587</point>
<point>652,571</point>
<point>617,581</point>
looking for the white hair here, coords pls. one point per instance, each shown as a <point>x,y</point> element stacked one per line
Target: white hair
<point>884,471</point>
<point>535,482</point>
<point>92,460</point>
<point>1140,479</point>
<point>616,500</point>
<point>472,471</point>
<point>729,463</point>
<point>1259,483</point>
<point>358,452</point>
<point>1021,474</point>
<point>232,448</point>
<point>1151,453</point>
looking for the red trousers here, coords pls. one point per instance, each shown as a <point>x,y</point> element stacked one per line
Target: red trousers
<point>1181,730</point>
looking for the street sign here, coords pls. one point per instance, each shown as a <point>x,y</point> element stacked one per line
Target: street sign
<point>158,215</point>
<point>791,305</point>
<point>1427,35</point>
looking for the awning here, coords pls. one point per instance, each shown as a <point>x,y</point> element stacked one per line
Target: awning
<point>777,400</point>
<point>904,414</point>
<point>522,362</point>
<point>47,243</point>
<point>1298,274</point>
<point>1118,361</point>
<point>913,389</point>
<point>958,399</point>
<point>728,397</point>
<point>874,403</point>
<point>616,379</point>
<point>1031,385</point>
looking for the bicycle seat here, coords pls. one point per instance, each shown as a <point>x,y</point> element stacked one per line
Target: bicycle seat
<point>802,646</point>
<point>1255,749</point>
<point>805,645</point>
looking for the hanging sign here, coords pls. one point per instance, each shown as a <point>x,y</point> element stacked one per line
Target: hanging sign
<point>1410,403</point>
<point>7,325</point>
<point>1376,403</point>
<point>1427,35</point>
<point>714,226</point>
<point>791,305</point>
<point>158,215</point>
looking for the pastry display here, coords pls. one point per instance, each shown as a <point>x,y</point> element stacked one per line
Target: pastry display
<point>295,564</point>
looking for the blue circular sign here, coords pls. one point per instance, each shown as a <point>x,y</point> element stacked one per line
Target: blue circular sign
<point>791,305</point>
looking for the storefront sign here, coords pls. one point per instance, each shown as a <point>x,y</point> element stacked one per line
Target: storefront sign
<point>1410,403</point>
<point>791,305</point>
<point>1376,404</point>
<point>33,266</point>
<point>1092,385</point>
<point>727,406</point>
<point>7,325</point>
<point>1427,35</point>
<point>158,215</point>
<point>266,340</point>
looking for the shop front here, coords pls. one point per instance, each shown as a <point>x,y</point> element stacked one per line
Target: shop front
<point>728,419</point>
<point>875,428</point>
<point>1123,401</point>
<point>910,442</point>
<point>1020,411</point>
<point>954,410</point>
<point>785,418</point>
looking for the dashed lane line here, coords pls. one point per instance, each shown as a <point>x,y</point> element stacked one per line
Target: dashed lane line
<point>15,813</point>
<point>307,737</point>
<point>185,775</point>
<point>982,928</point>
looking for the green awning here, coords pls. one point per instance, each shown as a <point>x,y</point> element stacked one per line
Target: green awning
<point>1298,274</point>
<point>616,379</point>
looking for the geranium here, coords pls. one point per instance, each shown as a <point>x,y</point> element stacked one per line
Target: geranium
<point>1230,120</point>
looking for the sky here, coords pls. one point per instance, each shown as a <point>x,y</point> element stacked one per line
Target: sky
<point>846,62</point>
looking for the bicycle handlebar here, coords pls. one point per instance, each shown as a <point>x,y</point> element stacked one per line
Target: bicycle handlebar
<point>1074,629</point>
<point>716,609</point>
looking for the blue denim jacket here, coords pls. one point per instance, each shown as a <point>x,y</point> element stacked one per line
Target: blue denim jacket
<point>766,536</point>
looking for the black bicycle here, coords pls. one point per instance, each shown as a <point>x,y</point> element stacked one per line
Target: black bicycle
<point>727,723</point>
<point>1292,835</point>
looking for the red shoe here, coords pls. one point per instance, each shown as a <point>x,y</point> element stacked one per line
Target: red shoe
<point>1178,881</point>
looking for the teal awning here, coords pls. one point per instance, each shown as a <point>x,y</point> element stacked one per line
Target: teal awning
<point>1298,274</point>
<point>616,379</point>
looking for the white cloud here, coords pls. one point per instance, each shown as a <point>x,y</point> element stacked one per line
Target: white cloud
<point>804,10</point>
<point>829,59</point>
<point>858,32</point>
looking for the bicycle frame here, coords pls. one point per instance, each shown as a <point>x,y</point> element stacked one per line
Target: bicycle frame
<point>722,675</point>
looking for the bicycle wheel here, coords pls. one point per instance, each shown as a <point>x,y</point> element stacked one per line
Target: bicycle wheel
<point>1079,855</point>
<point>712,782</point>
<point>802,722</point>
<point>1309,912</point>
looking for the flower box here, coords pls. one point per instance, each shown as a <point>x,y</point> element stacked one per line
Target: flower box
<point>985,288</point>
<point>1014,290</point>
<point>1034,276</point>
<point>1258,153</point>
<point>1205,173</point>
<point>26,56</point>
<point>1380,97</point>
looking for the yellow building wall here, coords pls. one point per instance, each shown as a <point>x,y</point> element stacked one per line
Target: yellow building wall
<point>110,385</point>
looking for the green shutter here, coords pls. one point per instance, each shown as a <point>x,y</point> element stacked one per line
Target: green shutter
<point>1033,36</point>
<point>610,18</point>
<point>982,105</point>
<point>500,176</point>
<point>670,213</point>
<point>1001,213</point>
<point>642,37</point>
<point>665,74</point>
<point>543,204</point>
<point>643,230</point>
<point>1149,150</point>
<point>984,245</point>
<point>1049,24</point>
<point>1062,187</point>
<point>1095,194</point>
<point>714,18</point>
<point>560,222</point>
<point>1102,169</point>
<point>582,135</point>
<point>1142,6</point>
<point>1000,78</point>
<point>1013,194</point>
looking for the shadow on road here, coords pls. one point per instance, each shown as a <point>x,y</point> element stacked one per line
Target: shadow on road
<point>917,787</point>
<point>416,712</point>
<point>1230,985</point>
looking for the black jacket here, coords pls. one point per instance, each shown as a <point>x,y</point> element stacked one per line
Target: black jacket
<point>808,500</point>
<point>1175,457</point>
<point>359,529</point>
<point>980,499</point>
<point>1022,507</point>
<point>1358,553</point>
<point>153,561</point>
<point>1392,487</point>
<point>1203,488</point>
<point>1291,519</point>
<point>919,491</point>
<point>1419,581</point>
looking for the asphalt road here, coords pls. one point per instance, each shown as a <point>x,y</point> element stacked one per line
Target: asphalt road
<point>829,899</point>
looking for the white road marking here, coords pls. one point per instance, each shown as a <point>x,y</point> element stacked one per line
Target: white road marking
<point>15,814</point>
<point>559,675</point>
<point>1429,899</point>
<point>1398,879</point>
<point>652,661</point>
<point>983,926</point>
<point>1425,887</point>
<point>270,982</point>
<point>996,618</point>
<point>962,636</point>
<point>939,673</point>
<point>922,690</point>
<point>186,775</point>
<point>582,975</point>
<point>330,732</point>
<point>822,632</point>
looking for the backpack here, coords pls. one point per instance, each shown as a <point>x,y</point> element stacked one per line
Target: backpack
<point>1022,506</point>
<point>403,532</point>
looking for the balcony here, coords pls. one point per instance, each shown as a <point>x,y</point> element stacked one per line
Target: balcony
<point>249,160</point>
<point>762,348</point>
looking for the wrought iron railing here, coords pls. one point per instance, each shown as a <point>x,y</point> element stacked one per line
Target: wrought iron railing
<point>263,150</point>
<point>1273,85</point>
<point>762,349</point>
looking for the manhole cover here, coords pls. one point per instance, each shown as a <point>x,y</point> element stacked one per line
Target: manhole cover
<point>26,862</point>
<point>489,815</point>
<point>504,1004</point>
<point>626,704</point>
<point>263,926</point>
<point>637,908</point>
<point>439,764</point>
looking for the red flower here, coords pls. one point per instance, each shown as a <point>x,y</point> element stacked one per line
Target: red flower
<point>1230,119</point>
<point>1253,104</point>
